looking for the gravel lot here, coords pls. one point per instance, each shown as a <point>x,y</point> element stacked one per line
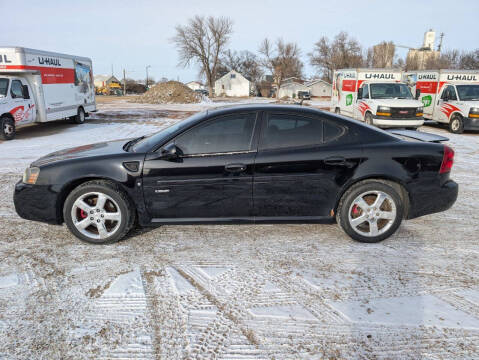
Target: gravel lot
<point>234,292</point>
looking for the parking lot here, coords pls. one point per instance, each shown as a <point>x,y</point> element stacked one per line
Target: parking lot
<point>234,292</point>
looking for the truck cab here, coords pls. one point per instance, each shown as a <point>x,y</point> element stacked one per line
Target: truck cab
<point>388,104</point>
<point>458,106</point>
<point>17,107</point>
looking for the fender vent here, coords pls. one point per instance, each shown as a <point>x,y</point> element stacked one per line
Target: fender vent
<point>132,166</point>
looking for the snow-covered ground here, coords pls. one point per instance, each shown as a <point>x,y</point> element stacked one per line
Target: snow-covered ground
<point>234,292</point>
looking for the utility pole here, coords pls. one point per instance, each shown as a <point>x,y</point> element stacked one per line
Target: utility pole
<point>440,42</point>
<point>148,66</point>
<point>124,82</point>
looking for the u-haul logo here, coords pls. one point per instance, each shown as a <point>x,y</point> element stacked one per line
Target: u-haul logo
<point>4,59</point>
<point>379,76</point>
<point>427,77</point>
<point>462,77</point>
<point>49,61</point>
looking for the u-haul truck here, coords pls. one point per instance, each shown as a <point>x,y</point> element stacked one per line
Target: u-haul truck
<point>41,86</point>
<point>449,96</point>
<point>377,97</point>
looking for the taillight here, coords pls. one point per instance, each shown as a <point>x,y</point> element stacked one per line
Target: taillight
<point>447,160</point>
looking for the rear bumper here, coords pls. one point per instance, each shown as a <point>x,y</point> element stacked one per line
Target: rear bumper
<point>471,123</point>
<point>398,122</point>
<point>433,201</point>
<point>36,202</point>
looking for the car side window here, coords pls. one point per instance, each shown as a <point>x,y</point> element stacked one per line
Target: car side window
<point>16,89</point>
<point>225,134</point>
<point>449,93</point>
<point>366,91</point>
<point>283,131</point>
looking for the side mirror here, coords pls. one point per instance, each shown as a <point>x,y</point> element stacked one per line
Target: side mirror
<point>170,152</point>
<point>445,98</point>
<point>360,93</point>
<point>26,93</point>
<point>418,93</point>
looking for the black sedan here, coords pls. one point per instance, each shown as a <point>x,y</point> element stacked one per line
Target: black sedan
<point>245,164</point>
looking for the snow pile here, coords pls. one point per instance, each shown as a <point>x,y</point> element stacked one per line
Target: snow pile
<point>171,92</point>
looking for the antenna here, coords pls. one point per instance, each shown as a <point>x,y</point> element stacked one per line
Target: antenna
<point>440,42</point>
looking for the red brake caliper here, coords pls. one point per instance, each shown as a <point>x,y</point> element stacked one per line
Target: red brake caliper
<point>355,210</point>
<point>83,214</point>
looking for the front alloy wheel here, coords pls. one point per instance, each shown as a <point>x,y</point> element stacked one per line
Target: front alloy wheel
<point>99,212</point>
<point>96,215</point>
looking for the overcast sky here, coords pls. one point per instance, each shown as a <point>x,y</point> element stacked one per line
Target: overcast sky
<point>132,34</point>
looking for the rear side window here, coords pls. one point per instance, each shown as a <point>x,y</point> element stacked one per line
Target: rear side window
<point>3,87</point>
<point>17,89</point>
<point>229,133</point>
<point>332,131</point>
<point>283,131</point>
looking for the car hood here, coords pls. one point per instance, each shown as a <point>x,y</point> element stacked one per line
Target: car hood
<point>398,102</point>
<point>84,151</point>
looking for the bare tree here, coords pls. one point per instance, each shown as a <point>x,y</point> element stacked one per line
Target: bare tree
<point>202,41</point>
<point>244,62</point>
<point>282,60</point>
<point>383,54</point>
<point>342,52</point>
<point>469,60</point>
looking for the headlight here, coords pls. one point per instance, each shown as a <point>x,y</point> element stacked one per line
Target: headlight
<point>30,175</point>
<point>474,112</point>
<point>383,111</point>
<point>420,111</point>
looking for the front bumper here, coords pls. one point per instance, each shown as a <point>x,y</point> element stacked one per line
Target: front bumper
<point>434,200</point>
<point>36,202</point>
<point>471,123</point>
<point>388,123</point>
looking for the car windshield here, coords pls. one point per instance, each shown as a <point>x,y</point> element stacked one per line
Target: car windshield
<point>390,91</point>
<point>146,143</point>
<point>468,92</point>
<point>3,87</point>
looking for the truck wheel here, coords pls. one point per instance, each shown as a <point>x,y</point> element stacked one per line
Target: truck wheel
<point>80,117</point>
<point>456,124</point>
<point>337,111</point>
<point>99,212</point>
<point>370,211</point>
<point>7,131</point>
<point>368,119</point>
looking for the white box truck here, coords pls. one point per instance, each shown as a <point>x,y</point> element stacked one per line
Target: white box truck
<point>448,96</point>
<point>41,86</point>
<point>377,97</point>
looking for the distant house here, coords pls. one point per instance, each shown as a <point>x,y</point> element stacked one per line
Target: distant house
<point>232,84</point>
<point>195,85</point>
<point>105,80</point>
<point>319,88</point>
<point>290,89</point>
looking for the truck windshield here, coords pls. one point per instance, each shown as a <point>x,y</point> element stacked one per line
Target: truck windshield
<point>3,87</point>
<point>390,91</point>
<point>468,92</point>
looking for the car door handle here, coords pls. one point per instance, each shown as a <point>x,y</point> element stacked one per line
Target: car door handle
<point>235,168</point>
<point>335,160</point>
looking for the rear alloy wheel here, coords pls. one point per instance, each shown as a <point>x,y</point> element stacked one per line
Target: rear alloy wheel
<point>98,212</point>
<point>7,128</point>
<point>80,117</point>
<point>370,212</point>
<point>456,124</point>
<point>368,119</point>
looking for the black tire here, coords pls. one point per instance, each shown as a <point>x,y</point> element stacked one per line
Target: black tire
<point>368,119</point>
<point>80,117</point>
<point>7,128</point>
<point>456,124</point>
<point>346,203</point>
<point>337,111</point>
<point>126,208</point>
